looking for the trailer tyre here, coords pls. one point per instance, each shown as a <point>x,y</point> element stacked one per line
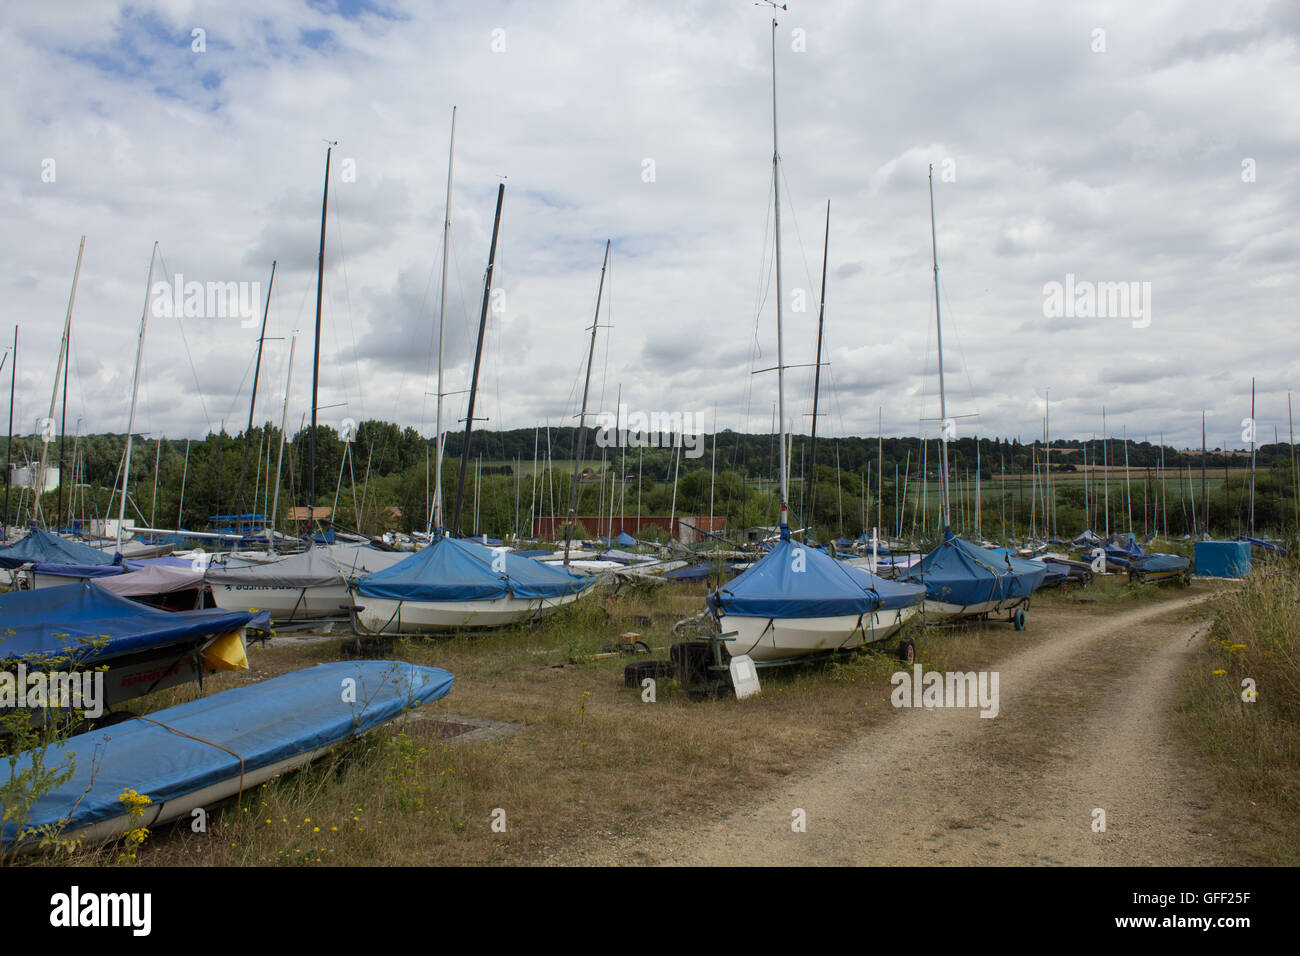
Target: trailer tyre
<point>907,651</point>
<point>1018,619</point>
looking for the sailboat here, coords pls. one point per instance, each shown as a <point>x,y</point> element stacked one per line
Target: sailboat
<point>797,601</point>
<point>313,584</point>
<point>961,579</point>
<point>454,582</point>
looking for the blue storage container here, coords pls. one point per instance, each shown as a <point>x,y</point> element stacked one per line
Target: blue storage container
<point>1222,559</point>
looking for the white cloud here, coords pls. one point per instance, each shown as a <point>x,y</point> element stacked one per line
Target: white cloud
<point>1118,166</point>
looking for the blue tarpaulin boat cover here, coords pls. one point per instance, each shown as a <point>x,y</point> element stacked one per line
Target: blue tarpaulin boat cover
<point>625,540</point>
<point>1056,573</point>
<point>795,581</point>
<point>1123,555</point>
<point>622,557</point>
<point>41,547</point>
<point>79,570</point>
<point>263,723</point>
<point>691,574</point>
<point>1156,562</point>
<point>456,569</point>
<point>1261,543</point>
<point>78,624</point>
<point>695,573</point>
<point>894,595</point>
<point>958,572</point>
<point>1222,559</point>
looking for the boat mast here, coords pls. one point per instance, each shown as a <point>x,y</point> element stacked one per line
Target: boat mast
<point>315,364</point>
<point>185,473</point>
<point>1164,490</point>
<point>618,420</point>
<point>1294,478</point>
<point>252,405</point>
<point>279,461</point>
<point>943,401</point>
<point>63,437</point>
<point>817,378</point>
<point>157,459</point>
<point>532,507</point>
<point>9,444</point>
<point>780,345</point>
<point>880,468</point>
<point>1128,493</point>
<point>1252,457</point>
<point>925,475</point>
<point>1002,496</point>
<point>1105,470</point>
<point>582,416</point>
<point>1050,505</point>
<point>478,355</point>
<point>135,388</point>
<point>1205,499</point>
<point>435,517</point>
<point>60,370</point>
<point>713,463</point>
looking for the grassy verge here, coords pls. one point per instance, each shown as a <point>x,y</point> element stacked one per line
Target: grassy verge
<point>1251,748</point>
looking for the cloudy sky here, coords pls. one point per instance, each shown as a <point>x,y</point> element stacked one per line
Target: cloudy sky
<point>1152,143</point>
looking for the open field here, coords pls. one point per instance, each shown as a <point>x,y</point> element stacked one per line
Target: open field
<point>596,775</point>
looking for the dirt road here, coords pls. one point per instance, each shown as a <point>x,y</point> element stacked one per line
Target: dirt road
<point>1083,726</point>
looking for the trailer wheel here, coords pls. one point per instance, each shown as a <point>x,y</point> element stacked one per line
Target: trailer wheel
<point>907,651</point>
<point>1018,619</point>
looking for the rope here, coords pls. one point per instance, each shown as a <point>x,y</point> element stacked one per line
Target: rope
<point>239,796</point>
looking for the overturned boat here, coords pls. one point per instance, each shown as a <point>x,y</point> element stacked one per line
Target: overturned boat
<point>216,747</point>
<point>455,582</point>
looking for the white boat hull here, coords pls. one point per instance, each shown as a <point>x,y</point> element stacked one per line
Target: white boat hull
<point>42,581</point>
<point>940,610</point>
<point>184,806</point>
<point>768,640</point>
<point>384,615</point>
<point>285,604</point>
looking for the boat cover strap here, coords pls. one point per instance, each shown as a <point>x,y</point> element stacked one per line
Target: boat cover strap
<point>238,796</point>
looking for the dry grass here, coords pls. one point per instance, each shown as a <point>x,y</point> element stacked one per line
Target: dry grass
<point>1251,748</point>
<point>593,761</point>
